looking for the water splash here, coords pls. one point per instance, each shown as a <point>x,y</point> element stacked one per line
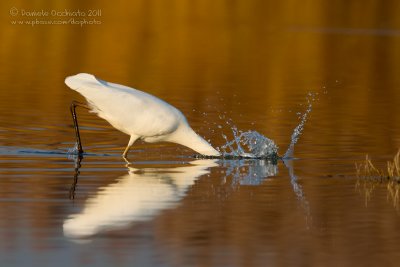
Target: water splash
<point>73,150</point>
<point>299,128</point>
<point>249,144</point>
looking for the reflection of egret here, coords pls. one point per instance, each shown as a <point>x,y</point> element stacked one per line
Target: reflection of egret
<point>136,113</point>
<point>137,196</point>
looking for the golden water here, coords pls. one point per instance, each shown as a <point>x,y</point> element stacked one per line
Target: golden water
<point>245,63</point>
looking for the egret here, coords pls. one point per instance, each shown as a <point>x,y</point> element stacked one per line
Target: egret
<point>136,113</point>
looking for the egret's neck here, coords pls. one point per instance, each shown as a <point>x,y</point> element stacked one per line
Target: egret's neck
<point>187,137</point>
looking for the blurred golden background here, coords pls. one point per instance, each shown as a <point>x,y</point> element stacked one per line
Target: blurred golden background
<point>253,62</point>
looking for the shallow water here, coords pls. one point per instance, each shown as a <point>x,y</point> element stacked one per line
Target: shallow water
<point>248,64</point>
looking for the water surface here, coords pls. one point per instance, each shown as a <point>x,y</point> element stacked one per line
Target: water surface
<point>248,64</point>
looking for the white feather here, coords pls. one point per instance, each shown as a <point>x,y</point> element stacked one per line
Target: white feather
<point>137,113</point>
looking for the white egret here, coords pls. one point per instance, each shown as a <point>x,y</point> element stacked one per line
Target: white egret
<point>136,113</point>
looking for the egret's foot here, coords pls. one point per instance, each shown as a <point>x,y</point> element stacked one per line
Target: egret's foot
<point>126,159</point>
<point>80,154</point>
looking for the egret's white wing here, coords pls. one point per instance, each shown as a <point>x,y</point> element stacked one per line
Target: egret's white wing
<point>127,109</point>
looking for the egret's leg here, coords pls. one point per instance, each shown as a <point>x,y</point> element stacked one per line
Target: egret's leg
<point>75,104</point>
<point>131,141</point>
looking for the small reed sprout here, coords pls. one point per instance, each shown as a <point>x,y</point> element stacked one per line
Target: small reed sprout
<point>368,171</point>
<point>393,168</point>
<point>369,176</point>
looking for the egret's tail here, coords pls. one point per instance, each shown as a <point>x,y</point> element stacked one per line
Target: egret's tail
<point>81,80</point>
